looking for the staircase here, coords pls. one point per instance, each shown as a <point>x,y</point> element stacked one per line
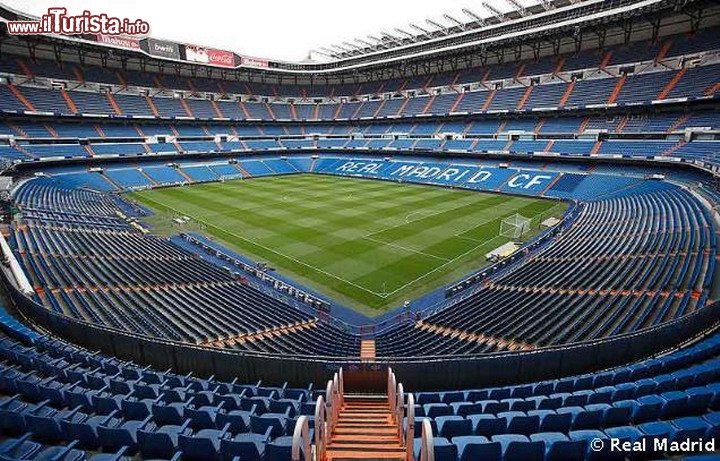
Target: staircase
<point>152,106</point>
<point>671,84</point>
<point>113,103</point>
<point>457,102</point>
<point>566,95</point>
<point>365,430</point>
<point>68,100</point>
<point>367,350</point>
<point>20,97</point>
<point>361,426</point>
<point>525,97</point>
<point>616,91</point>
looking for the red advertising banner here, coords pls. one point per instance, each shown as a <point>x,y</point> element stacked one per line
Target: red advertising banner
<point>221,58</point>
<point>119,41</point>
<point>254,62</point>
<point>203,55</point>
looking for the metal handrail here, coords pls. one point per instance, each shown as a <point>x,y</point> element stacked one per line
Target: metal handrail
<point>410,430</point>
<point>329,404</point>
<point>391,388</point>
<point>341,387</point>
<point>399,409</point>
<point>427,447</point>
<point>321,427</point>
<point>301,440</point>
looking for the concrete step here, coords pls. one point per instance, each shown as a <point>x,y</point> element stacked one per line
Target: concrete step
<point>363,430</point>
<point>365,438</point>
<point>366,456</point>
<point>357,446</point>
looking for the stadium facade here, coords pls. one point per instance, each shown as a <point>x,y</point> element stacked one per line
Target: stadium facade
<point>599,327</point>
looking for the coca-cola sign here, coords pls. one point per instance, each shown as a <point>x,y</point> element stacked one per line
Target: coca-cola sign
<point>204,55</point>
<point>221,58</point>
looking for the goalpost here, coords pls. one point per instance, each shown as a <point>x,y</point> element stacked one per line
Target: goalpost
<point>514,226</point>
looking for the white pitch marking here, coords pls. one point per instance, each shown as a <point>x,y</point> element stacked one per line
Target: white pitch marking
<point>411,250</point>
<point>275,251</point>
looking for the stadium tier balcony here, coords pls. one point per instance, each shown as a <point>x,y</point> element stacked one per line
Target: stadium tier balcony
<point>598,89</point>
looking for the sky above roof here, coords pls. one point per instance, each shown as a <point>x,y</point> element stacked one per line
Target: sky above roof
<point>284,30</point>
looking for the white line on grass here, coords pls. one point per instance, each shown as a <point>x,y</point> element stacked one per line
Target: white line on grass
<point>405,248</point>
<point>441,266</point>
<point>271,250</point>
<point>423,215</point>
<point>369,237</point>
<point>457,257</point>
<point>428,214</point>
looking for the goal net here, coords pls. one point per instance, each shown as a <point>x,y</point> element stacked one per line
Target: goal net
<point>514,226</point>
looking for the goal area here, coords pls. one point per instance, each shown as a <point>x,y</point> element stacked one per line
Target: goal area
<point>515,226</point>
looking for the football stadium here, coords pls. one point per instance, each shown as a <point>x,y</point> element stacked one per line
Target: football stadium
<point>491,237</point>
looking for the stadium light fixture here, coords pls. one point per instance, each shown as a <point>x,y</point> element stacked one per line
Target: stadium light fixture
<point>328,50</point>
<point>322,53</point>
<point>418,28</point>
<point>352,46</point>
<point>494,11</point>
<point>457,22</point>
<point>407,34</point>
<point>440,27</point>
<point>518,7</point>
<point>332,53</point>
<point>380,43</point>
<point>472,15</point>
<point>391,37</point>
<point>366,43</point>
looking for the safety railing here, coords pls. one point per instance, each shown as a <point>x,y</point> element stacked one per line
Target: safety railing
<point>301,448</point>
<point>391,388</point>
<point>404,414</point>
<point>327,411</point>
<point>427,446</point>
<point>408,438</point>
<point>420,372</point>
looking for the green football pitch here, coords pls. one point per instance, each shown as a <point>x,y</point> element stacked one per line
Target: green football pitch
<point>370,245</point>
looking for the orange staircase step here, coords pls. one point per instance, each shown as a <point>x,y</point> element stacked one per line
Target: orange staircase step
<point>365,430</point>
<point>342,456</point>
<point>457,102</point>
<point>18,94</point>
<point>616,91</point>
<point>365,446</point>
<point>566,95</point>
<point>152,106</point>
<point>671,84</point>
<point>355,430</point>
<point>113,103</point>
<point>68,100</point>
<point>364,438</point>
<point>525,97</point>
<point>664,50</point>
<point>186,107</point>
<point>489,100</point>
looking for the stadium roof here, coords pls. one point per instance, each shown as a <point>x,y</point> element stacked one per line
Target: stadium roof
<point>485,32</point>
<point>271,32</point>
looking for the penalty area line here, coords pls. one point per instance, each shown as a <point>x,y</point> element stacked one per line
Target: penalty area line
<point>252,242</point>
